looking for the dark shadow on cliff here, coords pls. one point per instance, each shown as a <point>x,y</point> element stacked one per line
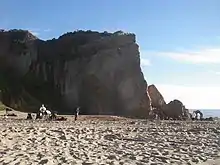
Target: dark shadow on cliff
<point>101,99</point>
<point>13,93</point>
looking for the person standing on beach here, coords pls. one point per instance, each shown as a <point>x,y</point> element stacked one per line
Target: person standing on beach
<point>77,113</point>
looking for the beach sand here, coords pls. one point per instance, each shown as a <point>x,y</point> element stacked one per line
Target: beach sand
<point>108,140</point>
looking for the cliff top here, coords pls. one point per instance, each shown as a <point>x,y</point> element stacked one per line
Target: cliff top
<point>70,45</point>
<point>18,34</point>
<point>84,35</point>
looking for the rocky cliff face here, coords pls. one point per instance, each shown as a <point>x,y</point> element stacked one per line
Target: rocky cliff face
<point>98,71</point>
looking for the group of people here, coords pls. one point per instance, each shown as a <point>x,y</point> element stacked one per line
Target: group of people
<point>47,114</point>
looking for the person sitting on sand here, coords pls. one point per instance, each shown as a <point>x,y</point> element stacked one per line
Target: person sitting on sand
<point>29,117</point>
<point>7,110</point>
<point>42,108</point>
<point>53,115</point>
<point>39,115</point>
<point>77,112</point>
<point>42,112</point>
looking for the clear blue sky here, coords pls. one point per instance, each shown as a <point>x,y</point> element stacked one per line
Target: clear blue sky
<point>179,39</point>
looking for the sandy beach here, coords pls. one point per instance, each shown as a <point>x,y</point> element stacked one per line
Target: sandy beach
<point>108,140</point>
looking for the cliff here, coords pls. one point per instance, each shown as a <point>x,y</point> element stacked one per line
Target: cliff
<point>98,71</point>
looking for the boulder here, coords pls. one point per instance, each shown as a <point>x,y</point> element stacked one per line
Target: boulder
<point>186,114</point>
<point>157,100</point>
<point>100,72</point>
<point>173,110</point>
<point>176,110</point>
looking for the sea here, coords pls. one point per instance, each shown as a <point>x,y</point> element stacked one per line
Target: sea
<point>210,112</point>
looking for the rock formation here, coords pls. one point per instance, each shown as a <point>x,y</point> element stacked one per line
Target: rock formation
<point>176,110</point>
<point>173,110</point>
<point>157,100</point>
<point>98,71</point>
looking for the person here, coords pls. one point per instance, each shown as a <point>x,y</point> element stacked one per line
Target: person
<point>29,117</point>
<point>77,113</point>
<point>7,111</point>
<point>42,108</point>
<point>41,112</point>
<point>39,115</point>
<point>53,115</point>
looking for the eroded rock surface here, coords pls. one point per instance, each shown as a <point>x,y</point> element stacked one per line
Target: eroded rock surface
<point>173,110</point>
<point>176,110</point>
<point>98,71</point>
<point>157,100</point>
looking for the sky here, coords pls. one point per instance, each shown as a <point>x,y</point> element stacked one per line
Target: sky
<point>179,40</point>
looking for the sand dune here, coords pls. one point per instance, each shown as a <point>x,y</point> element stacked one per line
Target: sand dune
<point>107,140</point>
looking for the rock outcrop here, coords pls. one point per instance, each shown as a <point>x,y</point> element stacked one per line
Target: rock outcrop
<point>176,110</point>
<point>173,110</point>
<point>98,71</point>
<point>157,100</point>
